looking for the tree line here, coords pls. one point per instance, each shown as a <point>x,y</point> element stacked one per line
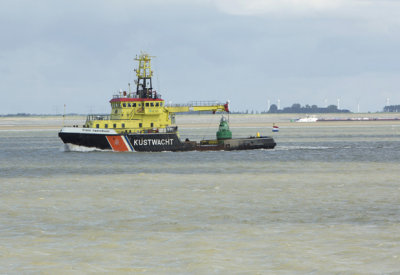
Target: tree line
<point>392,109</point>
<point>297,108</point>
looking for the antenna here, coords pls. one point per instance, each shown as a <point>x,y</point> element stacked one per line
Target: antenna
<point>157,75</point>
<point>228,102</point>
<point>279,104</point>
<point>64,115</point>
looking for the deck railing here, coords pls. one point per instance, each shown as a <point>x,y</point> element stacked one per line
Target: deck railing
<point>197,103</point>
<point>97,117</point>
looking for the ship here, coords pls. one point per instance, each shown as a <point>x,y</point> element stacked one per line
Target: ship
<point>141,121</point>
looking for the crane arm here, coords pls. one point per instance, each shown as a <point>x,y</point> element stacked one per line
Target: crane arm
<point>198,107</point>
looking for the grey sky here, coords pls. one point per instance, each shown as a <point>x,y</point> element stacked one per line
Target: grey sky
<point>80,53</point>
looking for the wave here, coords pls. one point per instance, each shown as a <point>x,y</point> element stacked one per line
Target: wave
<point>297,147</point>
<point>28,130</point>
<point>76,148</point>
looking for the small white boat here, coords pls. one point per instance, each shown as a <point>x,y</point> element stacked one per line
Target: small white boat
<point>308,119</point>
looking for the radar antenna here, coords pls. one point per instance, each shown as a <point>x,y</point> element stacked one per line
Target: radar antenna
<point>144,86</point>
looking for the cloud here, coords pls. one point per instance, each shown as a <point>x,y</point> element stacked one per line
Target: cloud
<point>80,53</point>
<point>254,7</point>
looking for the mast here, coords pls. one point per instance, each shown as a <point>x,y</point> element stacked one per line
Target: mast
<point>144,86</point>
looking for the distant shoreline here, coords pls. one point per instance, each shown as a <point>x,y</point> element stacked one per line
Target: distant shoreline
<point>206,121</point>
<point>27,115</point>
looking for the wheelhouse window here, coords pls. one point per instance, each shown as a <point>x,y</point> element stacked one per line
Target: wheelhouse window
<point>123,125</point>
<point>129,105</point>
<point>152,124</point>
<point>157,104</point>
<point>115,125</point>
<point>124,104</point>
<point>134,105</point>
<point>147,104</point>
<point>97,126</point>
<point>152,104</point>
<point>105,125</point>
<point>140,125</point>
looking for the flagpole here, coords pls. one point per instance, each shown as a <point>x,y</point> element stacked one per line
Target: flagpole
<point>64,116</point>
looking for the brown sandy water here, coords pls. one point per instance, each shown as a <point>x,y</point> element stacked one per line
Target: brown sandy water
<point>326,200</point>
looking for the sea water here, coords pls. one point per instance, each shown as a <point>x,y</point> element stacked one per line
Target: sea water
<point>325,200</point>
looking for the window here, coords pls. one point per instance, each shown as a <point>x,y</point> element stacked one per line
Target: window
<point>140,104</point>
<point>129,105</point>
<point>105,125</point>
<point>124,104</point>
<point>116,111</point>
<point>151,124</point>
<point>123,125</point>
<point>152,104</point>
<point>97,126</point>
<point>140,125</point>
<point>134,105</point>
<point>161,104</point>
<point>115,125</point>
<point>156,104</point>
<point>147,104</point>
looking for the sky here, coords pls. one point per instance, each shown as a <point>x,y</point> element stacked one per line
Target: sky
<point>250,52</point>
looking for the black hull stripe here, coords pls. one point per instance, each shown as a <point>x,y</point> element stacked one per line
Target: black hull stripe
<point>158,142</point>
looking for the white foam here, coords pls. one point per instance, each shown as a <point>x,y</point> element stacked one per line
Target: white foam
<point>28,130</point>
<point>285,148</point>
<point>76,148</point>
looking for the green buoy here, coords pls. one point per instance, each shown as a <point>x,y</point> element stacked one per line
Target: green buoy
<point>223,131</point>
